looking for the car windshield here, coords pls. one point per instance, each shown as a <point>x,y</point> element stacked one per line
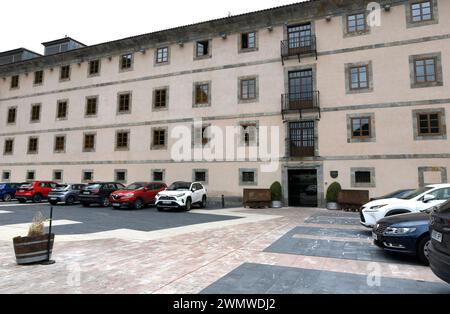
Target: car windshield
<point>135,186</point>
<point>179,186</point>
<point>93,187</point>
<point>416,193</point>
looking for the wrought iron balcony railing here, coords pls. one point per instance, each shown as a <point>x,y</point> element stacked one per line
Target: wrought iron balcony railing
<point>299,46</point>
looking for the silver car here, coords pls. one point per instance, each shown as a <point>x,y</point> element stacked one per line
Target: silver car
<point>66,193</point>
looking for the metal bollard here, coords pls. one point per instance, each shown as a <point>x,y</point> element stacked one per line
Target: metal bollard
<point>223,201</point>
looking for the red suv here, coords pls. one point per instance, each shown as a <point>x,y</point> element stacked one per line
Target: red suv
<point>136,195</point>
<point>35,191</point>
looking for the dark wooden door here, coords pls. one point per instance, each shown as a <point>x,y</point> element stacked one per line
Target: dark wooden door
<point>303,188</point>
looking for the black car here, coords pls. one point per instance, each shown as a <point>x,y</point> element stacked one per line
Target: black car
<point>440,242</point>
<point>396,194</point>
<point>406,233</point>
<point>98,193</point>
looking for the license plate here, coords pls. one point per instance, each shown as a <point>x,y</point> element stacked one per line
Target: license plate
<point>86,193</point>
<point>116,205</point>
<point>374,236</point>
<point>436,236</point>
<point>21,191</point>
<point>53,198</point>
<point>167,203</point>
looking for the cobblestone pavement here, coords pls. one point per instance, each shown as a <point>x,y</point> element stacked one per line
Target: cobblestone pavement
<point>191,258</point>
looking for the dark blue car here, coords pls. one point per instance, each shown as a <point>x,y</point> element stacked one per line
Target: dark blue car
<point>407,233</point>
<point>8,191</point>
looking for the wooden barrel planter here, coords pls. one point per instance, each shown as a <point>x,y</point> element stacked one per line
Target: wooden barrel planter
<point>30,250</point>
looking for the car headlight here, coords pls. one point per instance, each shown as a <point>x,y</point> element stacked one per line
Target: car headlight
<point>375,208</point>
<point>399,231</point>
<point>180,195</point>
<point>129,195</point>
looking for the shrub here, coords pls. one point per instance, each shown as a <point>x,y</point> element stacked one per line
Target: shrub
<point>37,226</point>
<point>333,192</point>
<point>277,194</point>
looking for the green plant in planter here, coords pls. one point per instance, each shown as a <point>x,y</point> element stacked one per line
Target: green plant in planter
<point>333,192</point>
<point>277,194</point>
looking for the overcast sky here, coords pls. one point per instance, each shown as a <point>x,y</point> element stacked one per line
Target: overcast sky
<point>28,23</point>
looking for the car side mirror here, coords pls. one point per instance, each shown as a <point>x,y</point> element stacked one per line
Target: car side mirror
<point>428,198</point>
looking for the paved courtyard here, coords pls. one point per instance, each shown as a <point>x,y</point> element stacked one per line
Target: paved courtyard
<point>292,250</point>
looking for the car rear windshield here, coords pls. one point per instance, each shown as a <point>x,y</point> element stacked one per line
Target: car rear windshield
<point>416,193</point>
<point>179,186</point>
<point>135,186</point>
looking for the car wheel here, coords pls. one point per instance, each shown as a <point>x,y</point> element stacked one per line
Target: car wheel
<point>188,205</point>
<point>203,203</point>
<point>37,198</point>
<point>423,250</point>
<point>22,201</point>
<point>53,202</point>
<point>7,197</point>
<point>85,204</point>
<point>105,202</point>
<point>138,204</point>
<point>70,200</point>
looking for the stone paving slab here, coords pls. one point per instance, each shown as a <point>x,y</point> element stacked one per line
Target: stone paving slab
<point>251,278</point>
<point>360,251</point>
<point>334,218</point>
<point>334,232</point>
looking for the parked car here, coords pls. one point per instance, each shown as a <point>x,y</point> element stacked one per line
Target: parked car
<point>440,242</point>
<point>424,198</point>
<point>405,233</point>
<point>182,195</point>
<point>66,193</point>
<point>136,195</point>
<point>35,191</point>
<point>8,191</point>
<point>396,194</point>
<point>98,193</point>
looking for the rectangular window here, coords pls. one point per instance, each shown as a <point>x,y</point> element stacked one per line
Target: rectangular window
<point>6,175</point>
<point>359,77</point>
<point>248,176</point>
<point>64,73</point>
<point>15,81</point>
<point>361,127</point>
<point>363,177</point>
<point>162,55</point>
<point>158,176</point>
<point>35,113</point>
<point>159,138</point>
<point>421,11</point>
<point>33,143</point>
<point>356,23</point>
<point>200,176</point>
<point>160,101</point>
<point>248,89</point>
<point>91,106</point>
<point>88,176</point>
<point>94,67</point>
<point>38,77</point>
<point>120,176</point>
<point>89,142</point>
<point>31,175</point>
<point>202,48</point>
<point>9,147</point>
<point>429,123</point>
<point>248,40</point>
<point>60,144</point>
<point>124,105</point>
<point>302,139</point>
<point>126,61</point>
<point>12,113</point>
<point>425,70</point>
<point>249,134</point>
<point>202,94</point>
<point>61,111</point>
<point>122,140</point>
<point>57,175</point>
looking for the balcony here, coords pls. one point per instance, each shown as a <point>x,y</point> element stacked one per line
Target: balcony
<point>300,102</point>
<point>301,46</point>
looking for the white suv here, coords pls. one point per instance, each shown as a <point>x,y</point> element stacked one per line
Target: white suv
<point>420,200</point>
<point>182,195</point>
